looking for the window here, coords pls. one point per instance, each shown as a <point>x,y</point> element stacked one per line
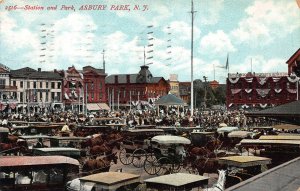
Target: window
<point>47,85</point>
<point>100,85</point>
<point>34,85</point>
<point>28,85</point>
<point>2,81</point>
<point>52,96</point>
<point>41,96</point>
<point>58,85</point>
<point>100,95</point>
<point>41,85</point>
<point>92,86</point>
<point>92,96</point>
<point>21,84</point>
<point>58,96</point>
<point>14,83</point>
<point>52,85</point>
<point>47,98</point>
<point>21,96</point>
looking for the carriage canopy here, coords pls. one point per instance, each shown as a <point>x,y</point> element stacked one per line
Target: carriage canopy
<point>227,129</point>
<point>177,180</point>
<point>110,180</point>
<point>170,139</point>
<point>239,134</point>
<point>244,161</point>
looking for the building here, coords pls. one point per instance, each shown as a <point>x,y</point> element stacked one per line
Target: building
<point>260,90</point>
<point>185,91</point>
<point>294,63</point>
<point>72,89</point>
<point>36,89</point>
<point>174,84</point>
<point>135,89</point>
<point>8,92</point>
<point>94,88</point>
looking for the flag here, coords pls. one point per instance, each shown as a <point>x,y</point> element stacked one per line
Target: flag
<point>227,64</point>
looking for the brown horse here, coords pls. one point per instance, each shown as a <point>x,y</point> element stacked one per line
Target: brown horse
<point>207,165</point>
<point>99,164</point>
<point>100,150</point>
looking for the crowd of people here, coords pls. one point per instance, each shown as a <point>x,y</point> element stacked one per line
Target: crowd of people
<point>163,117</point>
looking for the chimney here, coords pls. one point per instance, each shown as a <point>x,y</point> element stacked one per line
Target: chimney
<point>39,69</point>
<point>116,79</point>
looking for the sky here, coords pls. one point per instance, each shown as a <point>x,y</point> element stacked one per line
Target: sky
<point>263,32</point>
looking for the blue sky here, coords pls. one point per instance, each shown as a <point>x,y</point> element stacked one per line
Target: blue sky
<point>266,31</point>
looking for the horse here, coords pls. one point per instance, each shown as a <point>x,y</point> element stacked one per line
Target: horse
<point>99,150</point>
<point>207,165</point>
<point>99,164</point>
<point>220,185</point>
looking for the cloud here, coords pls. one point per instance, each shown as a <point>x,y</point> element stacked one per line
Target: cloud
<point>182,31</point>
<point>210,15</point>
<point>266,21</point>
<point>216,43</point>
<point>260,64</point>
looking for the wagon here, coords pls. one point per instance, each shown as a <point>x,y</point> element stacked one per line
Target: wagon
<point>31,140</point>
<point>167,156</point>
<point>107,181</point>
<point>177,181</point>
<point>200,138</point>
<point>58,151</point>
<point>279,151</point>
<point>56,141</point>
<point>136,146</point>
<point>48,173</point>
<point>241,168</point>
<point>3,134</point>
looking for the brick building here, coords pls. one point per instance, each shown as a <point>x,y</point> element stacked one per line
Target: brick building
<point>260,90</point>
<point>94,88</point>
<point>134,89</point>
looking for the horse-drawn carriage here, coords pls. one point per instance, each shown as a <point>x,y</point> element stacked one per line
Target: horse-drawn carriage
<point>167,154</point>
<point>176,181</point>
<point>136,145</point>
<point>110,181</point>
<point>36,172</point>
<point>57,151</point>
<point>240,168</point>
<point>280,149</point>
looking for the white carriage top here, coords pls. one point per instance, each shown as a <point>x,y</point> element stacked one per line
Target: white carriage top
<point>170,139</point>
<point>227,129</point>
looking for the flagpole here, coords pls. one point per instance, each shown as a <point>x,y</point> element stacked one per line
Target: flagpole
<point>192,52</point>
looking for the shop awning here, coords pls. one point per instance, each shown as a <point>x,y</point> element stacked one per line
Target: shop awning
<point>92,107</point>
<point>103,106</point>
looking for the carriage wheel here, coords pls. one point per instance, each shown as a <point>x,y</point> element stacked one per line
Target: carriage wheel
<point>176,167</point>
<point>150,167</point>
<point>164,166</point>
<point>150,157</point>
<point>139,157</point>
<point>125,158</point>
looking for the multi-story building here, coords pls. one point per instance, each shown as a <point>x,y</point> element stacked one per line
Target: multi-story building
<point>260,90</point>
<point>7,91</point>
<point>36,89</point>
<point>174,84</point>
<point>185,91</point>
<point>135,89</point>
<point>294,63</point>
<point>94,88</point>
<point>72,89</point>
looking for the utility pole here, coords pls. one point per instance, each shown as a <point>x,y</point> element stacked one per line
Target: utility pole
<point>205,90</point>
<point>103,60</point>
<point>192,56</point>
